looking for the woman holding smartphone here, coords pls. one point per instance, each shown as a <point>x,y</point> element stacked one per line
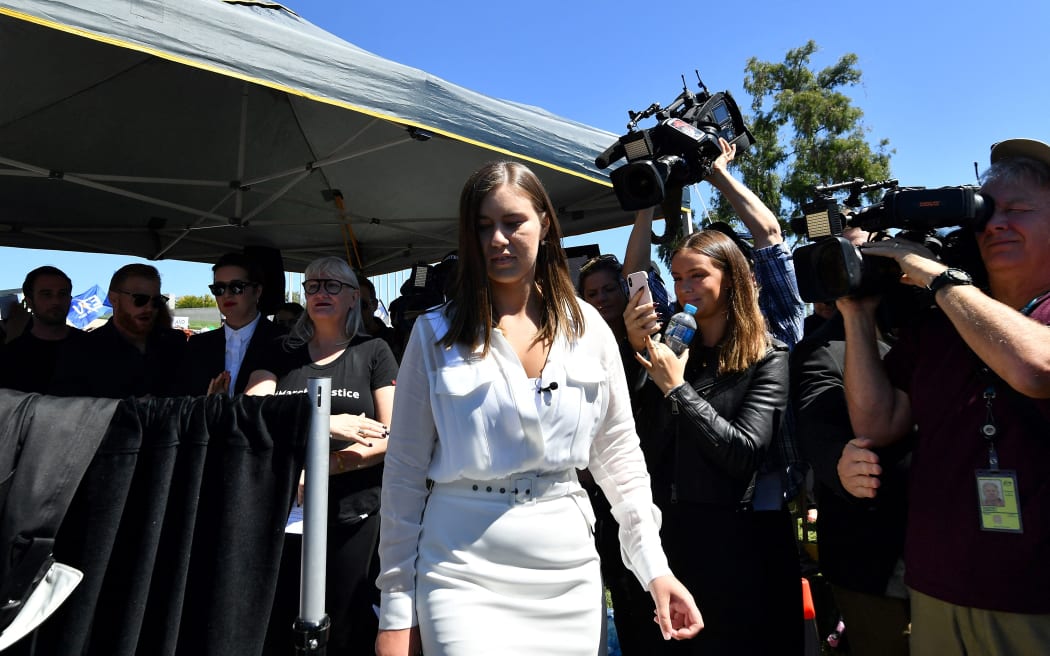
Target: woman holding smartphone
<point>706,420</point>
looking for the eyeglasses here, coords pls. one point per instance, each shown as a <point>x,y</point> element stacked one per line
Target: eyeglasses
<point>141,300</point>
<point>331,286</point>
<point>236,287</point>
<point>601,259</point>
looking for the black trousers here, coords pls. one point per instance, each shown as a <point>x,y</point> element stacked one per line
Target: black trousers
<point>743,570</point>
<point>350,590</point>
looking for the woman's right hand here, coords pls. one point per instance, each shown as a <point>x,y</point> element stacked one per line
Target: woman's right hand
<point>220,384</point>
<point>641,320</point>
<point>398,642</point>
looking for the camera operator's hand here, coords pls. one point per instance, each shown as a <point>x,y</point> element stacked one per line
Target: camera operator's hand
<point>918,265</point>
<point>720,167</point>
<point>859,468</point>
<point>640,320</point>
<point>863,306</point>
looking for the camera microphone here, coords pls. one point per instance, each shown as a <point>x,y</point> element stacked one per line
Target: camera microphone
<point>549,388</point>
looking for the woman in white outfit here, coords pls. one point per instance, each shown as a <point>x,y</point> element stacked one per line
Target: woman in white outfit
<point>486,542</point>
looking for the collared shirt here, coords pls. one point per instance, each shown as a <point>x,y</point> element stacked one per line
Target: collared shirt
<point>237,340</point>
<point>778,298</point>
<point>458,414</point>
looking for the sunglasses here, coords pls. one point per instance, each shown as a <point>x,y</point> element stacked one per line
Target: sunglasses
<point>142,300</point>
<point>601,259</point>
<point>236,287</point>
<point>330,286</point>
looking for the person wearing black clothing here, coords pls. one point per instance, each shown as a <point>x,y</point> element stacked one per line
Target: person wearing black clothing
<point>861,540</point>
<point>132,354</point>
<point>373,324</point>
<point>706,422</point>
<point>329,341</point>
<point>221,360</point>
<point>28,363</point>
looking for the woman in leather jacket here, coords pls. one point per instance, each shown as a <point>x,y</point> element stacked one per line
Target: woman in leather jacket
<point>706,420</point>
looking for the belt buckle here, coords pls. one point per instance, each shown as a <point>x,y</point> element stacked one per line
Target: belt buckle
<point>524,490</point>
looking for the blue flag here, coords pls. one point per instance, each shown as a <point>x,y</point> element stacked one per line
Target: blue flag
<point>86,307</point>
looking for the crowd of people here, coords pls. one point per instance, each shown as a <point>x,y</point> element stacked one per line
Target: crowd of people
<point>532,442</point>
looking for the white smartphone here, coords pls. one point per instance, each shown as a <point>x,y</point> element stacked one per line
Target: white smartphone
<point>639,280</point>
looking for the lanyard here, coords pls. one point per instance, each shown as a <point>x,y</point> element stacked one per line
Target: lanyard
<point>1034,303</point>
<point>989,430</point>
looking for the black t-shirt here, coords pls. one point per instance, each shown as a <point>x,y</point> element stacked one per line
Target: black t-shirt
<point>28,363</point>
<point>366,365</point>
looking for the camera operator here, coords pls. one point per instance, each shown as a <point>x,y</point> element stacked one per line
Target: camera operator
<point>974,376</point>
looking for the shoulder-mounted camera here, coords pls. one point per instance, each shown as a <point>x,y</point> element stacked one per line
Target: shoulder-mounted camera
<point>833,267</point>
<point>678,151</point>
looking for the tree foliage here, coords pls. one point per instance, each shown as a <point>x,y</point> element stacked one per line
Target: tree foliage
<point>190,301</point>
<point>807,132</point>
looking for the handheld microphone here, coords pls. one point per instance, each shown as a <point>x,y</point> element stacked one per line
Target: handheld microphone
<point>549,388</point>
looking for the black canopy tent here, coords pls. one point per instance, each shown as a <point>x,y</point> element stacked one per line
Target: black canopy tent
<point>185,130</point>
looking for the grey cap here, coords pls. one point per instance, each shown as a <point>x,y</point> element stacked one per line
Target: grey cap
<point>1029,148</point>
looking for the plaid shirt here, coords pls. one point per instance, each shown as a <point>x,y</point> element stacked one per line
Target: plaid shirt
<point>779,301</point>
<point>778,293</point>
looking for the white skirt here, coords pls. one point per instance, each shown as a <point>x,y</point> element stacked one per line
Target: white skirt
<point>498,577</point>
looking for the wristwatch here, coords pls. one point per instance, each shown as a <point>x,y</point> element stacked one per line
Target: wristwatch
<point>949,277</point>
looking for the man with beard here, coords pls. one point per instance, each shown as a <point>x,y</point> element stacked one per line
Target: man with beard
<point>133,354</point>
<point>28,362</point>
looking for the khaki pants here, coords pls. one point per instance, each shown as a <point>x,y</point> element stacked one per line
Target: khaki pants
<point>943,629</point>
<point>875,625</point>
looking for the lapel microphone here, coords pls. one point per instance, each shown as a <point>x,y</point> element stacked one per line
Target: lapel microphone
<point>549,388</point>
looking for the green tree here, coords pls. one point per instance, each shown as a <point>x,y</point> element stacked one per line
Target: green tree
<point>807,132</point>
<point>190,301</point>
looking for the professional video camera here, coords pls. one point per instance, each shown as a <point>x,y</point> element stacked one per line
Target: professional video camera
<point>678,151</point>
<point>833,267</point>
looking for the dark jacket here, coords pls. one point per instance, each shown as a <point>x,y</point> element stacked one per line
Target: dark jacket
<point>206,357</point>
<point>860,539</point>
<point>705,441</point>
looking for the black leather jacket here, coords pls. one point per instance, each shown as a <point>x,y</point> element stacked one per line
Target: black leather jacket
<point>705,441</point>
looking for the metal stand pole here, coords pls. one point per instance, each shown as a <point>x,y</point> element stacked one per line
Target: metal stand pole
<point>311,627</point>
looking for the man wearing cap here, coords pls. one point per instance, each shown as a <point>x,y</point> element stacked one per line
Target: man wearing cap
<point>973,375</point>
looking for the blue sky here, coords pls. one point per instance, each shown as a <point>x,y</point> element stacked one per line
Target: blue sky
<point>942,80</point>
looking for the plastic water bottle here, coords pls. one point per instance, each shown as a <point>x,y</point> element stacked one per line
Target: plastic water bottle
<point>680,329</point>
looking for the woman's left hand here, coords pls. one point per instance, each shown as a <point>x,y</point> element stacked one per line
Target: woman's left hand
<point>665,368</point>
<point>357,428</point>
<point>676,612</point>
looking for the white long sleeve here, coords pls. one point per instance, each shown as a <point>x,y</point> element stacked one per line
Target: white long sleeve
<point>458,415</point>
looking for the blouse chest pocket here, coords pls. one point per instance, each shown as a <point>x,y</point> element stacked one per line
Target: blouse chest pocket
<point>463,380</point>
<point>458,398</point>
<point>587,388</point>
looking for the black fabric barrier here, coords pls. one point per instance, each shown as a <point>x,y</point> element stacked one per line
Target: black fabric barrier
<point>178,527</point>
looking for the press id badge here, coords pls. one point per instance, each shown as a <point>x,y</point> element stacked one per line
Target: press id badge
<point>997,496</point>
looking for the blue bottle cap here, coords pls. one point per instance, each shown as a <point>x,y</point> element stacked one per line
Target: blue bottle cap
<point>690,308</point>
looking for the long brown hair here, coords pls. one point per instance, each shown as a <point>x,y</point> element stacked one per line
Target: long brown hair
<point>470,309</point>
<point>746,339</point>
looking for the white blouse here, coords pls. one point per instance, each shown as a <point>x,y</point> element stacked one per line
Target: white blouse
<point>460,415</point>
